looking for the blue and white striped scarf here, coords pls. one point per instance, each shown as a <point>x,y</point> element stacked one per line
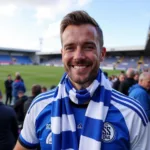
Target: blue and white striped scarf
<point>64,136</point>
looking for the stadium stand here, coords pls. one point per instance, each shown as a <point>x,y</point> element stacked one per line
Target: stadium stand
<point>18,56</point>
<point>22,59</point>
<point>146,62</point>
<point>5,59</point>
<point>109,61</point>
<point>128,62</point>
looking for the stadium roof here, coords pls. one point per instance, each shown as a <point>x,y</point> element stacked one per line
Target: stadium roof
<point>17,49</point>
<point>49,53</point>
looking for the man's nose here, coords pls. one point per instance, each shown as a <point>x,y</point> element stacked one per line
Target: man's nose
<point>79,53</point>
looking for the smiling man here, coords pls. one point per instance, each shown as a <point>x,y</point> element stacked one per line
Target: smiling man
<point>81,53</point>
<point>83,112</point>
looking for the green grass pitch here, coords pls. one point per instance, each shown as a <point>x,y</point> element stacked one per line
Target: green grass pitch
<point>43,75</point>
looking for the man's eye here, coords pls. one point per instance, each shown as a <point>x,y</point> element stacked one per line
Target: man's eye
<point>69,48</point>
<point>89,47</point>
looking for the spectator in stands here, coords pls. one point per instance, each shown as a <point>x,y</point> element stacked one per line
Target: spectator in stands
<point>8,89</point>
<point>120,79</point>
<point>44,89</point>
<point>140,91</point>
<point>83,112</point>
<point>18,74</point>
<point>36,90</point>
<point>19,107</point>
<point>128,82</point>
<point>114,78</point>
<point>8,126</point>
<point>17,86</point>
<point>136,76</point>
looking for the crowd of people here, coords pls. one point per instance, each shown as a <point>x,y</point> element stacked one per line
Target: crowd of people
<point>14,109</point>
<point>134,84</point>
<point>87,110</point>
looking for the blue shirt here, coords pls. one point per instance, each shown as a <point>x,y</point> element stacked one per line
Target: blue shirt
<point>139,93</point>
<point>125,127</point>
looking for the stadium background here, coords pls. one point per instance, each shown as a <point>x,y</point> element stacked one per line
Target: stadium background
<point>46,69</point>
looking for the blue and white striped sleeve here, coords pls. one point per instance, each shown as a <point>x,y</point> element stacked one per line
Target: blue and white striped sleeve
<point>28,136</point>
<point>140,135</point>
<point>136,120</point>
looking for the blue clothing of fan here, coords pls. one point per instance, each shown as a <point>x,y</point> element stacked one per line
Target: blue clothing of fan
<point>125,126</point>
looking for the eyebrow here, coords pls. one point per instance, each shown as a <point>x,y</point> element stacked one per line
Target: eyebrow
<point>69,44</point>
<point>89,43</point>
<point>84,43</point>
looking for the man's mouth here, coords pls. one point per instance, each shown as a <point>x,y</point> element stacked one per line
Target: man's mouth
<point>80,67</point>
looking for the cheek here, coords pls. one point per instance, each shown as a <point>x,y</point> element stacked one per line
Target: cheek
<point>94,56</point>
<point>98,59</point>
<point>95,59</point>
<point>67,58</point>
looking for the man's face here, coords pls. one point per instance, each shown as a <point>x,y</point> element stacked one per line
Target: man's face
<point>9,77</point>
<point>20,95</point>
<point>81,54</point>
<point>136,77</point>
<point>146,83</point>
<point>121,78</point>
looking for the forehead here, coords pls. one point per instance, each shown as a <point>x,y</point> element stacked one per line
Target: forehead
<point>79,33</point>
<point>147,78</point>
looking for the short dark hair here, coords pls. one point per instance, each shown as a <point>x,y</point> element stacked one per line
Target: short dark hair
<point>80,18</point>
<point>44,88</point>
<point>36,89</point>
<point>18,77</point>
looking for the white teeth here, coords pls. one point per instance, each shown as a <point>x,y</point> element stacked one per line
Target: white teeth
<point>79,67</point>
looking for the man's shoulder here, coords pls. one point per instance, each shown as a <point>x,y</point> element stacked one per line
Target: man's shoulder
<point>138,90</point>
<point>29,99</point>
<point>7,109</point>
<point>128,105</point>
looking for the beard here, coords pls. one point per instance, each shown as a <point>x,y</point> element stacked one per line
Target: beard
<point>84,76</point>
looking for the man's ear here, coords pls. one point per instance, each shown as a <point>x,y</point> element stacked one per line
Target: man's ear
<point>102,54</point>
